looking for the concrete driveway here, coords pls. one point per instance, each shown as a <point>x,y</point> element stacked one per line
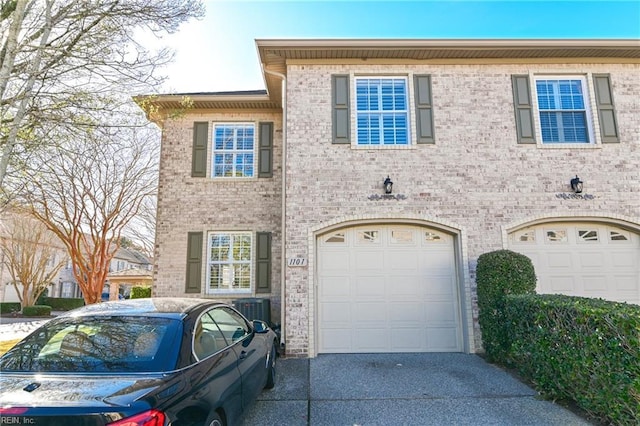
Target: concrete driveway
<point>401,389</point>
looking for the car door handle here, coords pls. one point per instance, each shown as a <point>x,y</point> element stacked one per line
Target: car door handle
<point>243,355</point>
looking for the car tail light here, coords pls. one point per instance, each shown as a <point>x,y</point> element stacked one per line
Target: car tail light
<point>13,411</point>
<point>147,418</point>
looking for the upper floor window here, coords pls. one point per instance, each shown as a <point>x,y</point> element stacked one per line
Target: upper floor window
<point>563,109</point>
<point>233,150</point>
<point>382,115</point>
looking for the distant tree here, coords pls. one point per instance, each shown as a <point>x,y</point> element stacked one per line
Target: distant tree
<point>88,193</point>
<point>66,66</point>
<point>33,255</point>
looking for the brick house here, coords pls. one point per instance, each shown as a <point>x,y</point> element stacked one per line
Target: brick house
<point>530,145</point>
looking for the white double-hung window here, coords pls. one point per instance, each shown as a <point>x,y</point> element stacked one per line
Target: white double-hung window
<point>230,260</point>
<point>563,110</point>
<point>233,150</point>
<point>382,116</point>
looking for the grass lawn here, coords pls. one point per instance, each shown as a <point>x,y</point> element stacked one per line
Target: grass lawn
<point>7,344</point>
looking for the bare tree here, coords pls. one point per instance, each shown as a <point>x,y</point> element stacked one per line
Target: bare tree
<point>64,64</point>
<point>33,255</point>
<point>88,192</point>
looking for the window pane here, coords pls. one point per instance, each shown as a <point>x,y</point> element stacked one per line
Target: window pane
<point>233,150</point>
<point>563,117</point>
<point>382,111</point>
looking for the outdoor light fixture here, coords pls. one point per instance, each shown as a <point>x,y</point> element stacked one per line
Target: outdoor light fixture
<point>388,185</point>
<point>576,185</point>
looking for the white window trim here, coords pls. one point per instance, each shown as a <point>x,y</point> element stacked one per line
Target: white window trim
<point>409,111</point>
<point>208,290</point>
<point>589,100</point>
<point>213,151</point>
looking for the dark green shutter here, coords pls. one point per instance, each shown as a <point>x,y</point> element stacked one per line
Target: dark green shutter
<point>523,109</point>
<point>424,109</point>
<point>265,150</point>
<point>199,152</point>
<point>193,281</point>
<point>606,112</point>
<point>340,108</point>
<point>263,262</point>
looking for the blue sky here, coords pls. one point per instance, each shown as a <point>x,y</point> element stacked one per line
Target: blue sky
<point>218,52</point>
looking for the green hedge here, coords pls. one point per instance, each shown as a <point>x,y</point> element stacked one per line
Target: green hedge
<point>140,292</point>
<point>586,350</point>
<point>36,311</point>
<point>498,274</point>
<point>10,307</point>
<point>62,303</point>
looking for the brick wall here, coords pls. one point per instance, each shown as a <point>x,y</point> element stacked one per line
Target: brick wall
<point>475,178</point>
<point>187,204</point>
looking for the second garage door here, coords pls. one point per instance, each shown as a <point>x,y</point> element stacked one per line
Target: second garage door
<point>387,288</point>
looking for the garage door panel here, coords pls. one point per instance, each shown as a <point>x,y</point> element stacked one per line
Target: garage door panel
<point>407,340</point>
<point>597,283</point>
<point>591,260</point>
<point>583,259</point>
<point>625,259</point>
<point>627,282</point>
<point>406,314</point>
<point>439,263</point>
<point>398,288</point>
<point>334,287</point>
<point>335,261</point>
<point>443,339</point>
<point>440,313</point>
<point>401,288</point>
<point>371,340</point>
<point>559,260</point>
<point>336,313</point>
<point>369,287</point>
<point>336,340</point>
<point>369,314</point>
<point>559,283</point>
<point>369,261</point>
<point>402,260</point>
<point>439,286</point>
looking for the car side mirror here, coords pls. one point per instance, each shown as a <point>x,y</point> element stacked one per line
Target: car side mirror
<point>260,326</point>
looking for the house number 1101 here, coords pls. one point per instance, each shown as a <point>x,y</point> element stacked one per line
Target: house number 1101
<point>296,261</point>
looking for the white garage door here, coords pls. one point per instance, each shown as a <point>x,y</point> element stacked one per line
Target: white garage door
<point>385,288</point>
<point>583,259</point>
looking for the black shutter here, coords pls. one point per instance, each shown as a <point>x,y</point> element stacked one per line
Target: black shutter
<point>193,282</point>
<point>199,152</point>
<point>523,109</point>
<point>606,111</point>
<point>424,109</point>
<point>265,150</point>
<point>340,108</point>
<point>263,262</point>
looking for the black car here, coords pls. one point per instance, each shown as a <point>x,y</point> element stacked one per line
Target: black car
<point>151,362</point>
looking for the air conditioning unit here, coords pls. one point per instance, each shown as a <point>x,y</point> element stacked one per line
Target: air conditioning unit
<point>254,308</point>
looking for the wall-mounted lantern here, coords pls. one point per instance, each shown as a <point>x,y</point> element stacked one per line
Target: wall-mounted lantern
<point>388,185</point>
<point>576,185</point>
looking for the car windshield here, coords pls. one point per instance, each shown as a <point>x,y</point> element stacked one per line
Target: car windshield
<point>114,344</point>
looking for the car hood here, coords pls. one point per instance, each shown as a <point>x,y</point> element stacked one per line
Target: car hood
<point>40,390</point>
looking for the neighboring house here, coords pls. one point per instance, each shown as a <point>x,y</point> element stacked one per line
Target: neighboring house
<point>128,268</point>
<point>481,139</point>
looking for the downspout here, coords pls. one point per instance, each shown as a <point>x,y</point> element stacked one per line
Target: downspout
<point>283,226</point>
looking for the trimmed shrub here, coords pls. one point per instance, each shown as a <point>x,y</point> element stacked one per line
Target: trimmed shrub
<point>63,303</point>
<point>586,350</point>
<point>10,307</point>
<point>36,311</point>
<point>140,292</point>
<point>498,274</point>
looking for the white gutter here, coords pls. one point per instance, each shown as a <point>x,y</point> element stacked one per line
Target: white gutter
<point>283,259</point>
